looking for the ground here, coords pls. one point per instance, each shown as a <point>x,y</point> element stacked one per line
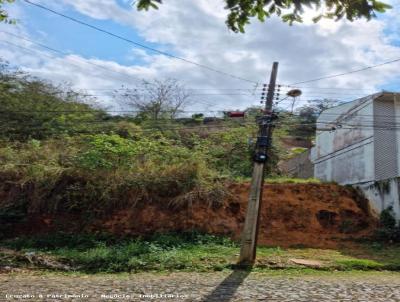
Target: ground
<point>307,214</point>
<point>220,286</point>
<point>315,241</point>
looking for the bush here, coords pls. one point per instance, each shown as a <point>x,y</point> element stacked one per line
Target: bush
<point>389,229</point>
<point>105,171</point>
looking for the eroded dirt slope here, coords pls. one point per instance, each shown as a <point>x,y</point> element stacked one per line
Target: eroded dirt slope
<point>292,214</point>
<point>315,215</point>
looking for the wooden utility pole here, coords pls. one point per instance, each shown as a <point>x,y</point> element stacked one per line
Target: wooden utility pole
<point>250,230</point>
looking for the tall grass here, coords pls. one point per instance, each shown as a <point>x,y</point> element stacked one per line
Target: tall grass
<point>100,172</point>
<point>188,251</point>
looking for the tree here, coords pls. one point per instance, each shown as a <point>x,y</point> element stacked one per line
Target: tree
<point>319,105</point>
<point>3,13</point>
<point>35,109</point>
<point>290,11</point>
<point>303,123</point>
<point>156,100</point>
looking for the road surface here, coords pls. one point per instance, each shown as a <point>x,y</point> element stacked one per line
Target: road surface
<point>235,286</point>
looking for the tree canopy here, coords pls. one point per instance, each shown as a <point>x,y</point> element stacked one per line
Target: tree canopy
<point>3,13</point>
<point>290,11</point>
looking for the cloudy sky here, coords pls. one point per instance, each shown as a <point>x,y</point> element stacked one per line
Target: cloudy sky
<point>195,30</point>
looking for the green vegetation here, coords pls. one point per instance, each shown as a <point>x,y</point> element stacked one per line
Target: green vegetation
<point>192,252</point>
<point>60,152</point>
<point>3,13</point>
<point>389,229</point>
<point>187,252</point>
<point>290,11</point>
<point>288,180</point>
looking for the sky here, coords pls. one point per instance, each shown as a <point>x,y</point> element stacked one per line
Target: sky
<point>98,64</point>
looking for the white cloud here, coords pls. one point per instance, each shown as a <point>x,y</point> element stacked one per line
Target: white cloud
<point>196,31</point>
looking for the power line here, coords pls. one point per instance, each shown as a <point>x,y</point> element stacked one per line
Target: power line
<point>137,44</point>
<point>62,53</point>
<point>153,129</point>
<point>334,154</point>
<point>345,73</point>
<point>328,88</point>
<point>46,55</point>
<point>161,128</point>
<point>243,90</point>
<point>317,88</point>
<point>335,93</point>
<point>97,111</point>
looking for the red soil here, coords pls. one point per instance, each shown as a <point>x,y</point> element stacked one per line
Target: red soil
<point>291,214</point>
<point>315,215</point>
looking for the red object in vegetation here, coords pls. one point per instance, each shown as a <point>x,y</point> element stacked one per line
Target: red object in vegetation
<point>235,114</point>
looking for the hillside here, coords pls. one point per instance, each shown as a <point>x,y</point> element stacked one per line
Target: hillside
<point>67,165</point>
<point>315,215</point>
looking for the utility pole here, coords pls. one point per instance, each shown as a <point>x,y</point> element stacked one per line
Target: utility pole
<point>251,225</point>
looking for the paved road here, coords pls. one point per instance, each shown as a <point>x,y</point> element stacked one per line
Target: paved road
<point>221,287</point>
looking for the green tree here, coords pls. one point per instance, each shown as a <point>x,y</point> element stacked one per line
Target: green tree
<point>303,122</point>
<point>290,11</point>
<point>32,108</point>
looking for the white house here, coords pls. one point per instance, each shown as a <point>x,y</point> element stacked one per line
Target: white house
<point>358,144</point>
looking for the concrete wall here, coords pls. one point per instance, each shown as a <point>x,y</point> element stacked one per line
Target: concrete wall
<point>345,155</point>
<point>299,166</point>
<point>382,195</point>
<point>365,151</point>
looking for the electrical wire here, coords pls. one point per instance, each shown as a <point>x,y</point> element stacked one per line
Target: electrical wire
<point>69,58</point>
<point>327,88</point>
<point>62,53</point>
<point>114,71</point>
<point>137,44</point>
<point>345,73</point>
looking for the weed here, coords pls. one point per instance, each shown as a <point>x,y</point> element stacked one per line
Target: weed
<point>359,264</point>
<point>388,230</point>
<point>188,252</point>
<point>279,180</point>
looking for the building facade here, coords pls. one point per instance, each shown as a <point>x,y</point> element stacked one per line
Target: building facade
<point>358,144</point>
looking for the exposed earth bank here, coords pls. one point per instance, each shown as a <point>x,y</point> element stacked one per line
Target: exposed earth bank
<point>313,215</point>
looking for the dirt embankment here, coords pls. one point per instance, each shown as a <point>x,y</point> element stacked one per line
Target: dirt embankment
<point>315,215</point>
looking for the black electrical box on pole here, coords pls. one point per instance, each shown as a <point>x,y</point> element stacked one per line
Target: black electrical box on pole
<point>251,225</point>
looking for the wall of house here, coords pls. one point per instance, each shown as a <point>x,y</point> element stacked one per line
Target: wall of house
<point>385,139</point>
<point>396,99</point>
<point>384,191</point>
<point>382,194</point>
<point>366,156</point>
<point>345,155</point>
